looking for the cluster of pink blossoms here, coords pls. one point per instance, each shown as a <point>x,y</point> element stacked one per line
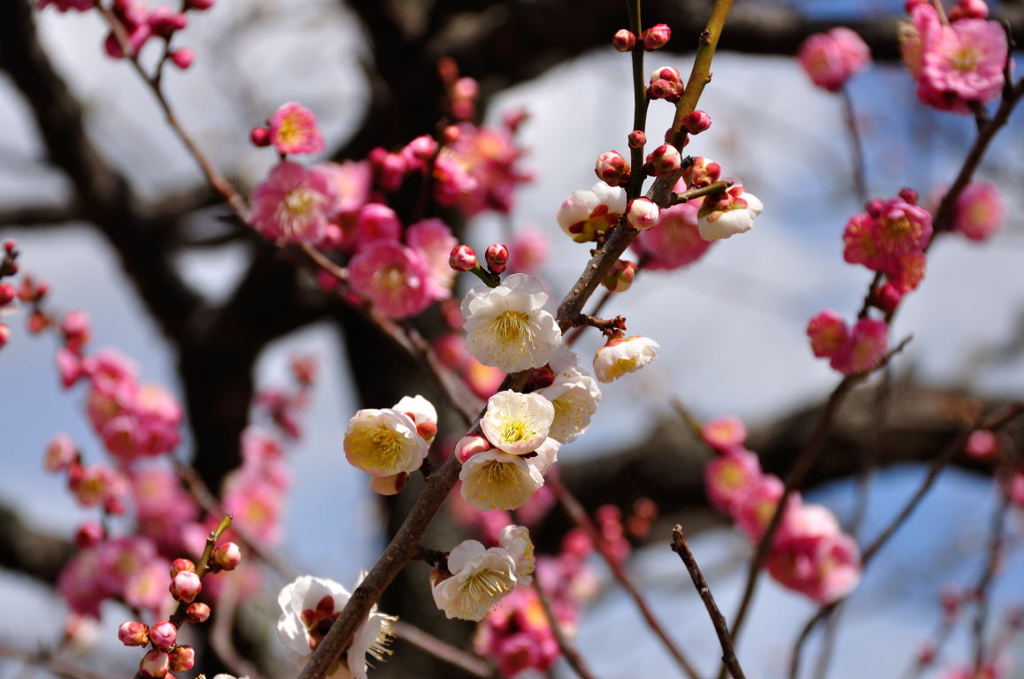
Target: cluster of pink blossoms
<point>9,295</point>
<point>140,24</point>
<point>957,63</point>
<point>831,58</point>
<point>809,554</point>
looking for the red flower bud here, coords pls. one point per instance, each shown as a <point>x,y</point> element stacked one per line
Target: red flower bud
<point>226,556</point>
<point>497,257</point>
<point>624,40</point>
<point>197,612</point>
<point>462,258</point>
<point>657,36</point>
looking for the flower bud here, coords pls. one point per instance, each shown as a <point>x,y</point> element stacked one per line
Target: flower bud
<point>657,36</point>
<point>183,57</point>
<point>612,168</point>
<point>226,556</point>
<point>163,634</point>
<point>497,257</point>
<point>198,5</point>
<point>886,297</point>
<point>422,148</point>
<point>700,172</point>
<point>621,276</point>
<point>89,534</point>
<point>642,214</point>
<point>197,612</point>
<point>179,565</point>
<point>10,245</point>
<point>666,83</point>
<point>908,194</point>
<point>182,658</point>
<point>982,444</point>
<point>697,122</point>
<point>155,665</point>
<point>664,160</point>
<point>451,134</point>
<point>969,9</point>
<point>462,258</point>
<point>133,633</point>
<point>186,586</point>
<point>470,445</point>
<point>7,293</point>
<point>259,136</point>
<point>636,139</point>
<point>624,40</point>
<point>389,485</point>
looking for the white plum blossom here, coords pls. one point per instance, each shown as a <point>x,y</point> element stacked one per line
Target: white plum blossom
<point>480,578</point>
<point>422,412</point>
<point>517,423</point>
<point>499,480</point>
<point>516,541</point>
<point>738,218</point>
<point>575,397</point>
<point>309,606</point>
<point>586,214</point>
<point>508,327</point>
<point>384,442</point>
<point>623,355</point>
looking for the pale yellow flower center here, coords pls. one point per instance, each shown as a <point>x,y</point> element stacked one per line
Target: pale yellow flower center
<point>511,327</point>
<point>515,430</point>
<point>376,447</point>
<point>965,59</point>
<point>621,366</point>
<point>486,585</point>
<point>390,279</point>
<point>299,201</point>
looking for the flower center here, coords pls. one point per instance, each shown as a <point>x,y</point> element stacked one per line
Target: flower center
<point>299,202</point>
<point>486,585</point>
<point>378,447</point>
<point>500,472</point>
<point>515,430</point>
<point>511,326</point>
<point>965,58</point>
<point>621,366</point>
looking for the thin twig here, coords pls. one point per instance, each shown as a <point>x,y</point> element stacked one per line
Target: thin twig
<point>472,664</point>
<point>860,182</point>
<point>571,655</point>
<point>579,516</point>
<point>640,99</point>
<point>680,547</point>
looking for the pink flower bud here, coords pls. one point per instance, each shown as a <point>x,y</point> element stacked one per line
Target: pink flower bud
<point>612,168</point>
<point>183,57</point>
<point>179,565</point>
<point>163,634</point>
<point>664,160</point>
<point>636,139</point>
<point>10,245</point>
<point>389,485</point>
<point>657,36</point>
<point>7,293</point>
<point>198,5</point>
<point>186,586</point>
<point>697,122</point>
<point>462,258</point>
<point>470,445</point>
<point>982,444</point>
<point>182,658</point>
<point>642,214</point>
<point>155,665</point>
<point>422,148</point>
<point>89,534</point>
<point>226,556</point>
<point>969,9</point>
<point>624,40</point>
<point>60,453</point>
<point>886,297</point>
<point>163,21</point>
<point>668,73</point>
<point>133,633</point>
<point>497,257</point>
<point>700,172</point>
<point>259,136</point>
<point>451,134</point>
<point>197,613</point>
<point>908,194</point>
<point>666,83</point>
<point>621,276</point>
<point>539,378</point>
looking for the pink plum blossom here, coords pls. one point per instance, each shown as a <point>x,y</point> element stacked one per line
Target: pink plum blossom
<point>293,129</point>
<point>730,477</point>
<point>528,250</point>
<point>434,240</point>
<point>394,278</point>
<point>831,58</point>
<point>978,211</point>
<point>812,556</point>
<point>828,334</point>
<point>293,203</point>
<point>865,348</point>
<point>724,433</point>
<point>961,64</point>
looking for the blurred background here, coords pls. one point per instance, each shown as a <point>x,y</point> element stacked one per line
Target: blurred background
<point>108,207</point>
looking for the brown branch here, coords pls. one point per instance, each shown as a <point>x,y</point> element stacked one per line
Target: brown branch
<point>468,662</point>
<point>40,215</point>
<point>571,655</point>
<point>680,547</point>
<point>581,519</point>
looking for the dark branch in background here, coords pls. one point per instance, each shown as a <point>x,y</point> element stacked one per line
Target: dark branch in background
<point>569,653</point>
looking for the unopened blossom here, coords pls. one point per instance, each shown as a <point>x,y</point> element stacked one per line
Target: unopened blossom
<point>389,485</point>
<point>623,40</point>
<point>675,241</point>
<point>496,257</point>
<point>508,327</point>
<point>623,355</point>
<point>864,349</point>
<point>724,433</point>
<point>499,480</point>
<point>733,213</point>
<point>434,241</point>
<point>730,477</point>
<point>828,334</point>
<point>133,633</point>
<point>697,122</point>
<point>154,665</point>
<point>384,442</point>
<point>642,214</point>
<point>293,129</point>
<point>462,258</point>
<point>226,556</point>
<point>664,160</point>
<point>978,211</point>
<point>516,541</point>
<point>814,557</point>
<point>982,444</point>
<point>665,83</point>
<point>293,203</point>
<point>309,606</point>
<point>621,276</point>
<point>470,445</point>
<point>480,578</point>
<point>197,612</point>
<point>699,172</point>
<point>657,36</point>
<point>374,222</point>
<point>961,64</point>
<point>183,658</point>
<point>612,168</point>
<point>422,413</point>
<point>575,396</point>
<point>831,58</point>
<point>163,634</point>
<point>587,214</point>
<point>517,423</point>
<point>396,279</point>
<point>185,586</point>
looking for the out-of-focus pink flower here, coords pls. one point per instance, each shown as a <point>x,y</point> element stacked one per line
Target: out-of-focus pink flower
<point>754,510</point>
<point>293,129</point>
<point>864,349</point>
<point>79,584</point>
<point>675,241</point>
<point>831,58</point>
<point>392,277</point>
<point>478,171</point>
<point>730,477</point>
<point>961,64</point>
<point>351,182</point>
<point>828,334</point>
<point>528,250</point>
<point>978,211</point>
<point>293,203</point>
<point>723,433</point>
<point>812,556</point>
<point>68,5</point>
<point>434,240</point>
